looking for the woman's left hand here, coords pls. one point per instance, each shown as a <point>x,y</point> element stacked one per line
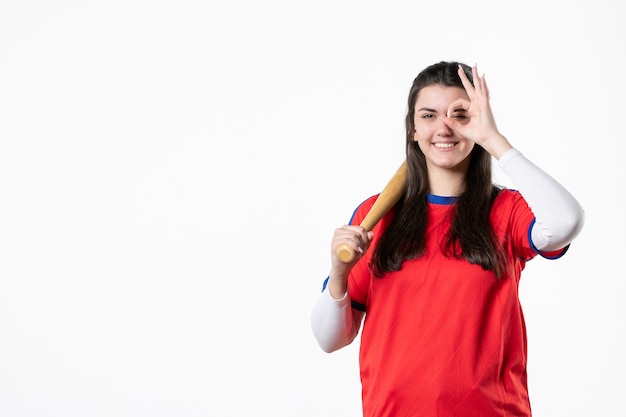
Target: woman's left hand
<point>481,127</point>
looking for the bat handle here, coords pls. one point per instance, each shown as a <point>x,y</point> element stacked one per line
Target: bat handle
<point>345,253</point>
<point>386,199</point>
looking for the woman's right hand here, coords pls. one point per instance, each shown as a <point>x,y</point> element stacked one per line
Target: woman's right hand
<point>359,240</point>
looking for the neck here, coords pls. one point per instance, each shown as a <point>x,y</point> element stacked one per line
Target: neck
<point>446,182</point>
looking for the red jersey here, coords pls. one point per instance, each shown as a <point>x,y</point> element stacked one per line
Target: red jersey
<point>442,337</point>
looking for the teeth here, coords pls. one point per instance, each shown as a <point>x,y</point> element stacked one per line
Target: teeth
<point>444,145</point>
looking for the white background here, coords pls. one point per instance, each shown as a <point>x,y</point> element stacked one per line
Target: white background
<point>171,173</point>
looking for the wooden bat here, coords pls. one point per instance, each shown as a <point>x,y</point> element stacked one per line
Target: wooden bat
<point>388,197</point>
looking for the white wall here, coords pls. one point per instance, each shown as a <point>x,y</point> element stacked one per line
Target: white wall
<point>171,173</point>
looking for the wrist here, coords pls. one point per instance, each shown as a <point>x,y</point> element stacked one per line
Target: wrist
<point>337,288</point>
<point>497,146</point>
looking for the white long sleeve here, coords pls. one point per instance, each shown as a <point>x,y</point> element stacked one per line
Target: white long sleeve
<point>559,217</point>
<point>335,324</point>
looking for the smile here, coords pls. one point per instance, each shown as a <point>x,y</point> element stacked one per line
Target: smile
<point>446,145</point>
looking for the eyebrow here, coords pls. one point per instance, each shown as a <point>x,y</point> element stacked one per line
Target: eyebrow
<point>428,109</point>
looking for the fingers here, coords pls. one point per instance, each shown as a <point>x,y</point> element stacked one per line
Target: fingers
<point>455,115</point>
<point>479,89</point>
<point>469,88</point>
<point>480,125</point>
<point>483,86</point>
<point>459,104</point>
<point>478,81</point>
<point>354,236</point>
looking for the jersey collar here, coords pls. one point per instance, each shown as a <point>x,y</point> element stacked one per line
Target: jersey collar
<point>438,199</point>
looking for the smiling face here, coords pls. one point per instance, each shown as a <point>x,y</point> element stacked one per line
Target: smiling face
<point>442,147</point>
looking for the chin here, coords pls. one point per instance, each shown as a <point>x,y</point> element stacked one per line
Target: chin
<point>452,163</point>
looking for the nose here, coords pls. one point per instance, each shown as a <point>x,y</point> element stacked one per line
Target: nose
<point>442,128</point>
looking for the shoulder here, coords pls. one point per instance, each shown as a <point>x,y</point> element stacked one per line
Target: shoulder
<point>511,212</point>
<point>510,205</point>
<point>507,197</point>
<point>362,209</point>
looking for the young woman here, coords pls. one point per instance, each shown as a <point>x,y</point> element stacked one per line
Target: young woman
<point>435,283</point>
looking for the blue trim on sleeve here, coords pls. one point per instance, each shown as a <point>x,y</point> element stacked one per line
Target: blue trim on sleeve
<point>547,255</point>
<point>357,306</point>
<point>357,209</point>
<point>325,283</point>
<point>558,254</point>
<point>353,214</point>
<point>530,236</point>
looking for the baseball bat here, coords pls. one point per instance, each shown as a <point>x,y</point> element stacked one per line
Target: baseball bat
<point>388,197</point>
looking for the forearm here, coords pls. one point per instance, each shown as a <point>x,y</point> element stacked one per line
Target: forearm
<point>559,216</point>
<point>335,324</point>
<point>497,145</point>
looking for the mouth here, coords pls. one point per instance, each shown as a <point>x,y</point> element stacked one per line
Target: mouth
<point>445,145</point>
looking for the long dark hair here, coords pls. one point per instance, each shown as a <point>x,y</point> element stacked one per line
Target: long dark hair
<point>471,234</point>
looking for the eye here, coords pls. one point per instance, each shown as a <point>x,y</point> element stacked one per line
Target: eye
<point>427,116</point>
<point>460,116</point>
